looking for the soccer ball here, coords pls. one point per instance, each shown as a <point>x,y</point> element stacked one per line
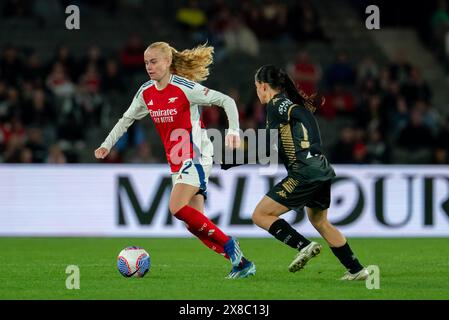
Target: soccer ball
<point>133,261</point>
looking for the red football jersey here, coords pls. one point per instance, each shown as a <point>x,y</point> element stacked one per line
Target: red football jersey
<point>176,115</point>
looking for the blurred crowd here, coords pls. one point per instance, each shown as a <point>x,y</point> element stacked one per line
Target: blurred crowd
<point>47,108</point>
<point>390,111</point>
<point>383,113</point>
<point>240,26</point>
<point>47,10</point>
<point>439,32</point>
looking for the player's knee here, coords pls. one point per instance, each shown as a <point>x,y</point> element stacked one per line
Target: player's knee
<point>174,207</point>
<point>258,217</point>
<point>255,217</point>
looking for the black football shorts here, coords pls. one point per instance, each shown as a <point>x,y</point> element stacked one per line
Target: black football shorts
<point>296,195</point>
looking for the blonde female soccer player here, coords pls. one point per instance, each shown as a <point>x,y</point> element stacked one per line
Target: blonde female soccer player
<point>171,98</point>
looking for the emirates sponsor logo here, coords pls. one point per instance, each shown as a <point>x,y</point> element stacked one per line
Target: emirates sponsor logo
<point>163,115</point>
<point>163,112</point>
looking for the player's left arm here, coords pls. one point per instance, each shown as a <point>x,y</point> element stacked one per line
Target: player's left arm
<point>309,124</point>
<point>204,96</point>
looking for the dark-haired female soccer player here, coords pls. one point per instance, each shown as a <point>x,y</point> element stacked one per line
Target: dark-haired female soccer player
<point>308,182</point>
<point>171,98</point>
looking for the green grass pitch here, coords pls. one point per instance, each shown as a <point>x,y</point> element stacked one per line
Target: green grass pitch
<point>34,268</point>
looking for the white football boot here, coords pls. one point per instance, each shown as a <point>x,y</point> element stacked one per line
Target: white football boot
<point>359,276</point>
<point>306,253</point>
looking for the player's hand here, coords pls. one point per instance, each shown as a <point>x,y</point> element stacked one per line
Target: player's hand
<point>101,153</point>
<point>232,141</point>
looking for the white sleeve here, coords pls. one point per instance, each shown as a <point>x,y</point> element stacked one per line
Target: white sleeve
<point>205,96</point>
<point>136,111</point>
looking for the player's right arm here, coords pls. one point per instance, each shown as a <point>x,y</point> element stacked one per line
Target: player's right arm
<point>136,111</point>
<point>207,97</point>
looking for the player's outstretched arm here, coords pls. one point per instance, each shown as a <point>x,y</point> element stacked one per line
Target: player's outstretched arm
<point>205,96</point>
<point>232,139</point>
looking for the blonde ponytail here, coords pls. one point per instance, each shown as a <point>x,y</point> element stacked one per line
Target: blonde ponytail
<point>192,64</point>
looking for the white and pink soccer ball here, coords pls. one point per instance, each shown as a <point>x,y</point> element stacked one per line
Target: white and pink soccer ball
<point>133,261</point>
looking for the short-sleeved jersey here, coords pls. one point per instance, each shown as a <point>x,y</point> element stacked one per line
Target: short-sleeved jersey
<point>299,139</point>
<point>176,115</point>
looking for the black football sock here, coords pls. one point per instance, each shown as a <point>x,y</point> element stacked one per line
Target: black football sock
<point>284,232</point>
<point>347,258</point>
